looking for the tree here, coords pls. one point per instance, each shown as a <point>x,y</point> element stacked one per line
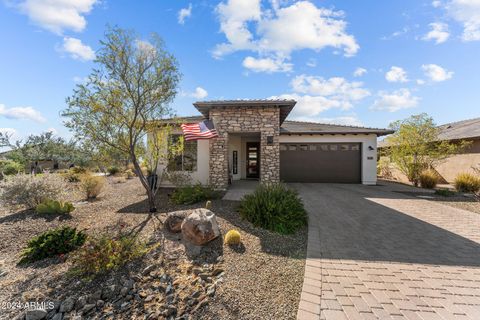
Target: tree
<point>415,146</point>
<point>132,85</point>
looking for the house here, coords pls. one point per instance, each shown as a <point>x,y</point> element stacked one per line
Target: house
<point>255,141</point>
<point>455,132</point>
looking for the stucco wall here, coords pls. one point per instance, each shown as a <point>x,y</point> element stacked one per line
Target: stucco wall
<point>369,157</point>
<point>200,174</point>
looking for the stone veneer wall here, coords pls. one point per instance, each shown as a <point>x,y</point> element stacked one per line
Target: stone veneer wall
<point>264,120</point>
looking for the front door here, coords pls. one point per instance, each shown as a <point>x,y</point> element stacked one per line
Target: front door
<point>253,160</point>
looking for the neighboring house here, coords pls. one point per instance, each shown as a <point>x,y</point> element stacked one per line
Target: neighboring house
<point>466,130</point>
<point>256,142</point>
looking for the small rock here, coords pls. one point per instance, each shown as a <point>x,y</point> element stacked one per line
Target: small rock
<point>204,276</point>
<point>110,292</point>
<point>88,307</point>
<point>201,304</point>
<point>81,302</point>
<point>148,269</point>
<point>149,298</point>
<point>129,284</point>
<point>67,305</point>
<point>211,290</point>
<point>143,294</point>
<point>124,305</point>
<point>37,314</point>
<point>217,271</point>
<point>219,259</point>
<point>100,304</point>
<point>3,273</point>
<point>197,270</point>
<point>58,316</point>
<point>169,289</point>
<point>92,298</point>
<point>196,294</point>
<point>124,291</point>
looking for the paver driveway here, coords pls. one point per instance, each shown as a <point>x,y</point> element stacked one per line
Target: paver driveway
<point>376,253</point>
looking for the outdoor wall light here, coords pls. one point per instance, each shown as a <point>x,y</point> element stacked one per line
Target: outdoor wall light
<point>371,148</point>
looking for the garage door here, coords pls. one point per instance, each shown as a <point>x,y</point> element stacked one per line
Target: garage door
<point>320,162</point>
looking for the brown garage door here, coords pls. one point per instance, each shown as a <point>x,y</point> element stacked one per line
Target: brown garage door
<point>320,162</point>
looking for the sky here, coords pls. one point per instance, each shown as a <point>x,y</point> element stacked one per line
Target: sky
<point>364,63</point>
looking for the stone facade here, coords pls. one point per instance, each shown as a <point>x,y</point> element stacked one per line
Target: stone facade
<point>263,120</point>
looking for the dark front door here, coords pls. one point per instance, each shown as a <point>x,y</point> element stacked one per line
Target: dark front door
<point>253,160</point>
<point>320,162</point>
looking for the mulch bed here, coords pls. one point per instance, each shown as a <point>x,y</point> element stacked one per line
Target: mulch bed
<point>263,277</point>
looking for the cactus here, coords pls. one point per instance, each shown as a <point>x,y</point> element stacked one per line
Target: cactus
<point>233,237</point>
<point>54,207</point>
<point>208,205</point>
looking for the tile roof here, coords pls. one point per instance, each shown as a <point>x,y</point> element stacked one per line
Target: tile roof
<point>460,130</point>
<point>300,127</point>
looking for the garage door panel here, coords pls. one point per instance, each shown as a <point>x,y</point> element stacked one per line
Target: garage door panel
<point>320,162</point>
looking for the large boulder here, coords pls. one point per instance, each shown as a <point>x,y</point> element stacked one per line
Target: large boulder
<point>200,227</point>
<point>174,220</point>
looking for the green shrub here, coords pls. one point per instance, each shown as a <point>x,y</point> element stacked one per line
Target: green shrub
<point>54,207</point>
<point>92,185</point>
<point>274,207</point>
<point>71,176</point>
<point>193,194</point>
<point>428,179</point>
<point>444,192</point>
<point>113,170</point>
<point>104,253</point>
<point>9,167</point>
<point>30,191</point>
<point>466,182</point>
<point>53,242</point>
<point>129,174</point>
<point>78,170</point>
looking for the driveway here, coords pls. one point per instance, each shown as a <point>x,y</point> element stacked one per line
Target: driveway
<point>375,252</point>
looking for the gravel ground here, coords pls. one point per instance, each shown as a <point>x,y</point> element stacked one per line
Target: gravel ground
<point>457,200</point>
<point>263,278</point>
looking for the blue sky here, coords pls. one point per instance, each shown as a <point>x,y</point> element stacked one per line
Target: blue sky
<point>350,62</point>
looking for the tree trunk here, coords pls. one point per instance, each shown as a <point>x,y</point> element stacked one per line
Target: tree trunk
<point>150,193</point>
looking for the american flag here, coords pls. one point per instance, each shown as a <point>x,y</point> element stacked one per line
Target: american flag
<point>201,130</point>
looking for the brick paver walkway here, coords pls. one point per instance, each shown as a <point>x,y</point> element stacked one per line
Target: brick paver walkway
<point>374,253</point>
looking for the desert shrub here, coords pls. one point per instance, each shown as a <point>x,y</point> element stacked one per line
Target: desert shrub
<point>232,237</point>
<point>274,207</point>
<point>428,179</point>
<point>444,192</point>
<point>54,207</point>
<point>129,174</point>
<point>105,252</point>
<point>72,176</point>
<point>384,168</point>
<point>78,170</point>
<point>9,167</point>
<point>53,242</point>
<point>92,185</point>
<point>113,170</point>
<point>30,191</point>
<point>466,182</point>
<point>193,194</point>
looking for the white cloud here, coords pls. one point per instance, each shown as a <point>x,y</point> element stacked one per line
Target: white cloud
<point>359,72</point>
<point>420,82</point>
<point>275,33</point>
<point>345,121</point>
<point>199,93</point>
<point>52,130</point>
<point>184,13</point>
<point>436,73</point>
<point>466,12</point>
<point>439,33</point>
<point>21,113</point>
<point>77,49</point>
<point>395,101</point>
<point>436,3</point>
<point>316,94</point>
<point>58,15</point>
<point>268,65</point>
<point>396,74</point>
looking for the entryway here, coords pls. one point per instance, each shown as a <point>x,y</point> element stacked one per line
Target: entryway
<point>240,188</point>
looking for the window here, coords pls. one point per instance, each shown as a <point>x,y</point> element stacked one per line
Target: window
<point>324,147</point>
<point>333,147</point>
<point>355,147</point>
<point>304,147</point>
<point>186,159</point>
<point>344,147</point>
<point>283,147</point>
<point>292,147</point>
<point>313,147</point>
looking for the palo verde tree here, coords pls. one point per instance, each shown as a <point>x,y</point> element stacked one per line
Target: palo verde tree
<point>131,86</point>
<point>415,146</point>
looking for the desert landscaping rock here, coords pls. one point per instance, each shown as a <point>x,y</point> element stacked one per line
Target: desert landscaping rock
<point>174,220</point>
<point>200,227</point>
<point>67,305</point>
<point>38,314</point>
